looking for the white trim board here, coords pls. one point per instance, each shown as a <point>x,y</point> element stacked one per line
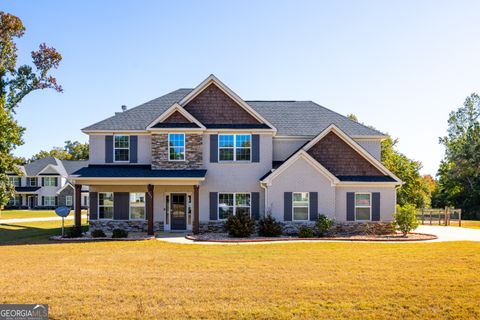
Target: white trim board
<point>171,110</point>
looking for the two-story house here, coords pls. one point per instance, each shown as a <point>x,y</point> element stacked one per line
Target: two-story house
<point>188,159</point>
<point>44,184</point>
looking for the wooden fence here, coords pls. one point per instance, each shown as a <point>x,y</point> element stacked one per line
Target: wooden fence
<point>447,216</point>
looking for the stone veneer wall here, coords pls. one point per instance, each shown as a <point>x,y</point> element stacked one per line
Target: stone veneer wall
<point>292,228</point>
<point>193,152</point>
<point>130,226</point>
<point>68,191</point>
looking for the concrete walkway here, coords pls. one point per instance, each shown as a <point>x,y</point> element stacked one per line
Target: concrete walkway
<point>443,233</point>
<point>10,221</point>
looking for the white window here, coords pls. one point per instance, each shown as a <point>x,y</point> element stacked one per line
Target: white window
<point>85,201</point>
<point>137,206</point>
<point>121,148</point>
<point>176,146</point>
<point>234,147</point>
<point>105,205</point>
<point>49,181</point>
<point>363,206</point>
<point>68,201</point>
<point>233,203</point>
<point>32,182</point>
<point>301,206</point>
<point>49,201</point>
<point>15,181</point>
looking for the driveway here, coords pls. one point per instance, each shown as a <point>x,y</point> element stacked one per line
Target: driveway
<point>451,233</point>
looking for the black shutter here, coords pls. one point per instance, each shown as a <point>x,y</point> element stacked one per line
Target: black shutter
<point>313,206</point>
<point>255,202</point>
<point>43,201</point>
<point>375,206</point>
<point>287,206</point>
<point>213,205</point>
<point>255,148</point>
<point>121,205</point>
<point>133,149</point>
<point>56,201</point>
<point>350,206</point>
<point>108,149</point>
<point>214,148</point>
<point>43,181</point>
<point>56,182</point>
<point>93,207</point>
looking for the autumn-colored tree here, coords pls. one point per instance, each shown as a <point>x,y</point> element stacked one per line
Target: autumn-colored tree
<point>15,83</point>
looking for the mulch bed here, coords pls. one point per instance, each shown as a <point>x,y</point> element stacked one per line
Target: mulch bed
<point>398,237</point>
<point>90,239</point>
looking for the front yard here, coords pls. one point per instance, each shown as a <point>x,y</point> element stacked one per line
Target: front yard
<point>152,279</point>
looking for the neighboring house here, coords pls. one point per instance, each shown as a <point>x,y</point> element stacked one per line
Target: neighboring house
<point>44,185</point>
<point>188,159</point>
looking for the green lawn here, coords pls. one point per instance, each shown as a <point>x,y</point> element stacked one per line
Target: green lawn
<point>19,214</point>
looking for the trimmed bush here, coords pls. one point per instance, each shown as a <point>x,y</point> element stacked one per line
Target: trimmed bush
<point>98,233</point>
<point>406,218</point>
<point>240,225</point>
<point>269,227</point>
<point>74,232</point>
<point>323,224</point>
<point>119,233</point>
<point>305,232</point>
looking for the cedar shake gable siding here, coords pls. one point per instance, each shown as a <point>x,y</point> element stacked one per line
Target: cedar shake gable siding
<point>340,159</point>
<point>176,117</point>
<point>213,106</point>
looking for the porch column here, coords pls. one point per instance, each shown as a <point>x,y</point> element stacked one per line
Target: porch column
<point>196,222</point>
<point>149,205</point>
<point>78,205</point>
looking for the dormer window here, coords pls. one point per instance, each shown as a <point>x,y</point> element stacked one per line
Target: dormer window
<point>121,148</point>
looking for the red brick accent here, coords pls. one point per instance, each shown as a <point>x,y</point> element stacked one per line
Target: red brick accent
<point>340,159</point>
<point>176,117</point>
<point>213,106</point>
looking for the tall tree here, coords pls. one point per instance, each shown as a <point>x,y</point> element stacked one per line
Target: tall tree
<point>459,173</point>
<point>15,84</point>
<point>71,151</point>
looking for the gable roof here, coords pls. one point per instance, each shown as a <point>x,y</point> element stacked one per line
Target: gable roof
<point>157,123</point>
<point>64,168</point>
<point>37,166</point>
<point>290,118</point>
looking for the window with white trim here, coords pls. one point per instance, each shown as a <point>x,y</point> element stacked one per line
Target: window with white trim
<point>49,181</point>
<point>68,201</point>
<point>137,206</point>
<point>233,203</point>
<point>32,181</point>
<point>15,181</point>
<point>300,206</point>
<point>176,147</point>
<point>105,205</point>
<point>15,201</point>
<point>49,201</point>
<point>121,148</point>
<point>234,147</point>
<point>363,206</point>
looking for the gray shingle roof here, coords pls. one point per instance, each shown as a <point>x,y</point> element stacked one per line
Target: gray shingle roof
<point>291,118</point>
<point>64,168</point>
<point>136,171</point>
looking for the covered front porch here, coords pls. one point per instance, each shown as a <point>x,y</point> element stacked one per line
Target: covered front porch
<point>168,201</point>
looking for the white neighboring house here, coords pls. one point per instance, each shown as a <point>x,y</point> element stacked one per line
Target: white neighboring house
<point>44,185</point>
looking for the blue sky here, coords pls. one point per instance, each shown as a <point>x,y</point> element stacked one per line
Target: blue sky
<point>399,66</point>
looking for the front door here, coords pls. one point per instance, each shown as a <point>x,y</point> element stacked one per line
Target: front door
<point>178,211</point>
<point>31,202</point>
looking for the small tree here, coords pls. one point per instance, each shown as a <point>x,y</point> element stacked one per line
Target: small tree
<point>240,225</point>
<point>322,224</point>
<point>269,227</point>
<point>406,218</point>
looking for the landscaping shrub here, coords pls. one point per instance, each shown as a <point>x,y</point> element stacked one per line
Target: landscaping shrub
<point>406,218</point>
<point>305,232</point>
<point>269,227</point>
<point>74,232</point>
<point>323,224</point>
<point>119,233</point>
<point>240,225</point>
<point>98,233</point>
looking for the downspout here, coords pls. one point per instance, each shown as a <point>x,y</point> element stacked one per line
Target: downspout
<point>264,186</point>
